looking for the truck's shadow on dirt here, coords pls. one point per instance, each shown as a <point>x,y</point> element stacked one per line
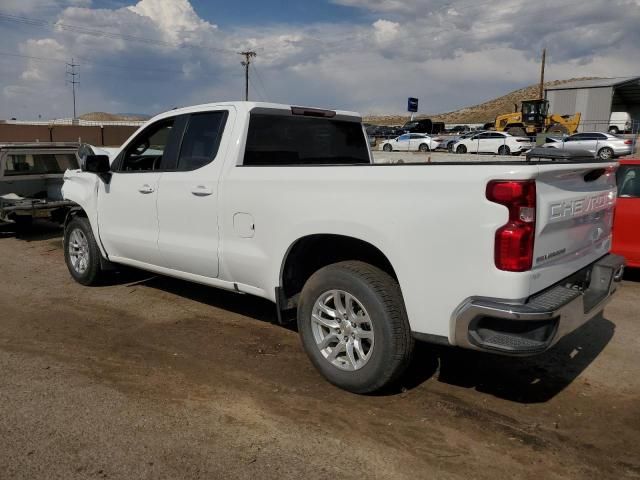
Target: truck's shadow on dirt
<point>520,379</point>
<point>533,379</point>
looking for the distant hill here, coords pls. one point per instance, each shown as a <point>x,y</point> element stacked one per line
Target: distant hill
<point>481,113</point>
<point>114,117</point>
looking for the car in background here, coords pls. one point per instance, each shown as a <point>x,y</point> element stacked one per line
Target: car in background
<point>410,142</point>
<point>447,143</point>
<point>423,125</point>
<point>620,122</point>
<point>603,145</point>
<point>460,129</point>
<point>499,143</point>
<point>626,223</point>
<point>31,178</point>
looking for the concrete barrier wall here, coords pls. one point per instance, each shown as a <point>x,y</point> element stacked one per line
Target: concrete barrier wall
<point>108,135</point>
<point>24,133</point>
<point>115,135</point>
<point>73,133</point>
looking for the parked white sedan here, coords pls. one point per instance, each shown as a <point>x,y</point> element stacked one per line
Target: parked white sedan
<point>494,142</point>
<point>410,142</point>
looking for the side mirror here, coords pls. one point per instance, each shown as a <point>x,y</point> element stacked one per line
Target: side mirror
<point>98,164</point>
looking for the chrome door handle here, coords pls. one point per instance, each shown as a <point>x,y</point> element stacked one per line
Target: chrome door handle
<point>146,189</point>
<point>201,191</point>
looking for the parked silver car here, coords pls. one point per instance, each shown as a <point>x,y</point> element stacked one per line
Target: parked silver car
<point>604,145</point>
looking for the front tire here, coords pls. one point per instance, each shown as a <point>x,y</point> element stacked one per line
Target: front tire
<point>354,327</point>
<point>81,252</point>
<point>387,148</point>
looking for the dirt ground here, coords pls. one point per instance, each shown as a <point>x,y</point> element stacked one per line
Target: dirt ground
<point>150,377</point>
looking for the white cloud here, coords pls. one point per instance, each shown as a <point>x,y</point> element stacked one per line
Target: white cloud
<point>448,52</point>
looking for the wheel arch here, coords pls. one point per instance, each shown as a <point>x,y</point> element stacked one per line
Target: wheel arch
<point>309,253</point>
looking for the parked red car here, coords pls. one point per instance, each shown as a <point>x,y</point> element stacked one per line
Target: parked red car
<point>626,226</point>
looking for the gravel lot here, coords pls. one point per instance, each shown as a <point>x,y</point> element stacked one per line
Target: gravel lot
<point>150,377</point>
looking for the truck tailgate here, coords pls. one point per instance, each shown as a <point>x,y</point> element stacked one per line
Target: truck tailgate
<point>575,205</point>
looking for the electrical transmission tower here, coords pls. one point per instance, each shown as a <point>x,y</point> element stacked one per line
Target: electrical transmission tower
<point>248,55</point>
<point>71,79</point>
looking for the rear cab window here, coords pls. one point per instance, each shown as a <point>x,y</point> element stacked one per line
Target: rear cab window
<point>19,163</point>
<point>274,139</point>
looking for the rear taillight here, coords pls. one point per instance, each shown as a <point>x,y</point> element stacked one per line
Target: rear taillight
<point>628,142</point>
<point>514,240</point>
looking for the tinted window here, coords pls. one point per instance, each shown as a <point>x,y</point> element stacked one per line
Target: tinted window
<point>414,136</point>
<point>201,140</point>
<point>483,135</point>
<point>403,137</point>
<point>495,135</point>
<point>297,140</point>
<point>146,150</point>
<point>39,163</point>
<point>628,177</point>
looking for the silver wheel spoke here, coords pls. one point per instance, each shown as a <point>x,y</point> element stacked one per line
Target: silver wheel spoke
<point>329,311</point>
<point>350,355</point>
<point>364,333</point>
<point>335,351</point>
<point>327,340</point>
<point>329,323</point>
<point>358,346</point>
<point>337,300</point>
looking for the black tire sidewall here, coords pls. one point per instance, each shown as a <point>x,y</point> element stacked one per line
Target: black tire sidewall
<point>91,274</point>
<point>608,150</point>
<point>387,148</point>
<point>368,377</point>
<point>423,147</point>
<point>461,149</point>
<point>504,150</point>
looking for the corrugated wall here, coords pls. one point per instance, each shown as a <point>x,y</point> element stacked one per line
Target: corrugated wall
<point>593,103</point>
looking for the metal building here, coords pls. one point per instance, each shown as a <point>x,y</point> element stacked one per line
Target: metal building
<point>595,100</point>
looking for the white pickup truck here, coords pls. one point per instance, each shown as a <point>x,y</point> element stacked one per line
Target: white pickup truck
<point>286,203</point>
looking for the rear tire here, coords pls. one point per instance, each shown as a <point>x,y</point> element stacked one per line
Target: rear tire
<point>424,147</point>
<point>614,130</point>
<point>387,148</point>
<point>517,131</point>
<point>461,149</point>
<point>81,252</point>
<point>504,150</point>
<point>354,327</point>
<point>605,153</point>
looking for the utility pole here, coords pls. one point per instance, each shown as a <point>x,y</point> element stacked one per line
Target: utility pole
<point>544,59</point>
<point>71,79</point>
<point>248,55</point>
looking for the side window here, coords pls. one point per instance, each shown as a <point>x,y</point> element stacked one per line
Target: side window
<point>201,140</point>
<point>575,138</point>
<point>415,136</point>
<point>402,138</point>
<point>145,152</point>
<point>483,136</point>
<point>496,135</point>
<point>628,178</point>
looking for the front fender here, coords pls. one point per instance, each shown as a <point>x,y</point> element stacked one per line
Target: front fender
<point>82,188</point>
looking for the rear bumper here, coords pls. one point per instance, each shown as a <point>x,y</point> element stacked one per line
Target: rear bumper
<point>534,326</point>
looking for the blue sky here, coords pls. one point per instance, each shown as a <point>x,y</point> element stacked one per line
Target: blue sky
<point>363,55</point>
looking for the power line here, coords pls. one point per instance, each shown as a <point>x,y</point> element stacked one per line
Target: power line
<point>264,90</point>
<point>71,72</point>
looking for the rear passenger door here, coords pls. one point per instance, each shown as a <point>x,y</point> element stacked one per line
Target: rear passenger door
<point>188,195</point>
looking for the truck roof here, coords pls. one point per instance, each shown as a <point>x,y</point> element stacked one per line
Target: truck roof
<point>249,106</point>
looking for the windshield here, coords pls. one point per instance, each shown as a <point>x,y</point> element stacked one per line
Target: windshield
<point>537,108</point>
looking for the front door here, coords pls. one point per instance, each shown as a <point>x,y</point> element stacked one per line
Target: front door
<point>626,233</point>
<point>127,212</point>
<point>188,196</point>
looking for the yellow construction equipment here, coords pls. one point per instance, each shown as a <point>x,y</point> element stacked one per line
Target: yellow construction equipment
<point>534,118</point>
